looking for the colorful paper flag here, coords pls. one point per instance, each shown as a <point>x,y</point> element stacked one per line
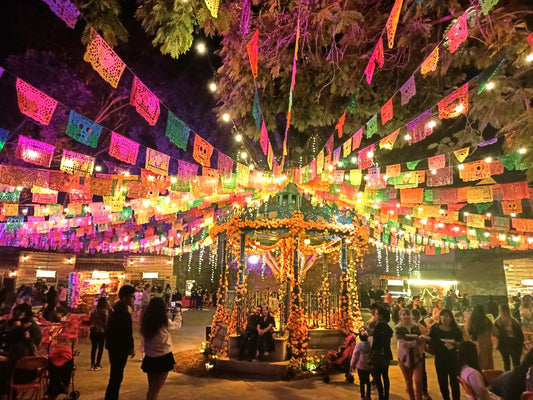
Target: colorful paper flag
<point>123,149</point>
<point>437,162</point>
<point>408,90</point>
<point>76,163</point>
<point>34,152</point>
<point>458,33</point>
<point>461,154</point>
<point>202,151</point>
<point>347,148</point>
<point>224,165</point>
<point>387,112</point>
<point>356,139</point>
<point>340,124</point>
<point>157,162</point>
<point>388,141</point>
<point>372,126</point>
<point>420,127</point>
<point>83,130</point>
<point>103,59</point>
<point>177,132</point>
<point>4,135</point>
<point>186,170</point>
<point>455,104</point>
<point>252,52</point>
<point>146,103</point>
<point>366,157</point>
<point>65,10</point>
<point>430,63</point>
<point>392,22</point>
<point>329,145</point>
<point>34,103</point>
<point>212,6</point>
<point>377,56</point>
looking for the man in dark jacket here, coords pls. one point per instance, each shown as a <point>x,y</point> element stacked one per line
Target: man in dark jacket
<point>119,339</point>
<point>248,345</point>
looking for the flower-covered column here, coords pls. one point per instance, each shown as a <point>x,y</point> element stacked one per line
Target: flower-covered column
<point>298,329</point>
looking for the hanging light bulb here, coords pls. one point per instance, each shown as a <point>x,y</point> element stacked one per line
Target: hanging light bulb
<point>226,117</point>
<point>200,48</point>
<point>522,150</point>
<point>432,124</point>
<point>529,57</point>
<point>213,87</point>
<point>244,155</point>
<point>489,85</point>
<point>238,137</point>
<point>98,168</point>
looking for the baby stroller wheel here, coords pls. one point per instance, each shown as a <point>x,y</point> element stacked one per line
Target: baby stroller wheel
<point>326,378</point>
<point>74,395</point>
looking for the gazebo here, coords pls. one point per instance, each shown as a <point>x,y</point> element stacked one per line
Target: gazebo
<point>290,231</point>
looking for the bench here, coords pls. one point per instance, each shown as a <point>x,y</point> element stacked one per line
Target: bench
<point>279,353</point>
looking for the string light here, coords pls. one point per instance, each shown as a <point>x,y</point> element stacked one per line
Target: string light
<point>226,117</point>
<point>432,124</point>
<point>200,48</point>
<point>386,261</point>
<point>490,85</point>
<point>213,87</point>
<point>244,155</point>
<point>529,57</point>
<point>238,137</point>
<point>522,150</point>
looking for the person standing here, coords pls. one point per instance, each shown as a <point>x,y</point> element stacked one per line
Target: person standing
<point>361,361</point>
<point>410,354</point>
<point>98,323</point>
<point>158,358</point>
<point>510,337</point>
<point>382,354</point>
<point>119,340</point>
<point>479,328</point>
<point>445,337</point>
<point>167,294</point>
<point>147,294</point>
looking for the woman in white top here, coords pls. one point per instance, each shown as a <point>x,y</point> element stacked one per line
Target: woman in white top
<point>158,358</point>
<point>469,372</point>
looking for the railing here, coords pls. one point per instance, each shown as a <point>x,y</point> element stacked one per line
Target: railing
<point>318,309</point>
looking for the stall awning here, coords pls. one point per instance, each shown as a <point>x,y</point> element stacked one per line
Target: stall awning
<point>99,266</point>
<point>98,263</point>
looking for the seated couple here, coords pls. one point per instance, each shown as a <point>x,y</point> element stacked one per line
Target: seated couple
<point>257,339</point>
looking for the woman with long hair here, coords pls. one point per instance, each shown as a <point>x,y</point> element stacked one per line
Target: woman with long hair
<point>158,358</point>
<point>410,354</point>
<point>435,315</point>
<point>445,338</point>
<point>381,353</point>
<point>470,372</point>
<point>479,328</point>
<point>510,337</point>
<point>98,323</point>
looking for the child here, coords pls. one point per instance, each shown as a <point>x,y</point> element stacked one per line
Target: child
<point>361,360</point>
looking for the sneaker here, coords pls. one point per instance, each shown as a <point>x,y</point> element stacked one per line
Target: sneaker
<point>98,367</point>
<point>93,368</point>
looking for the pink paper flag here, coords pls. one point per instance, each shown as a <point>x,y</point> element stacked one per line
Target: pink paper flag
<point>123,149</point>
<point>356,139</point>
<point>264,138</point>
<point>437,162</point>
<point>458,33</point>
<point>34,103</point>
<point>34,152</point>
<point>146,103</point>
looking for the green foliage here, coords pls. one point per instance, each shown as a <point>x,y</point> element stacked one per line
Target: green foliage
<point>103,15</point>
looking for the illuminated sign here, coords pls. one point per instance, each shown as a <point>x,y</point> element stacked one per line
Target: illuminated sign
<point>150,275</point>
<point>44,273</point>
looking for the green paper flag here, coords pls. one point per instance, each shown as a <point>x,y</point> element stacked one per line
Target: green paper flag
<point>509,160</point>
<point>256,111</point>
<point>482,207</point>
<point>372,126</point>
<point>177,131</point>
<point>428,196</point>
<point>353,103</point>
<point>412,164</point>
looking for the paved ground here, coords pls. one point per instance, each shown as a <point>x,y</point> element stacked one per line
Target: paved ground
<point>92,384</point>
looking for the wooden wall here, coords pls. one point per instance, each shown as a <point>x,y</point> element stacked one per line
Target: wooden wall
<point>137,264</point>
<point>30,262</point>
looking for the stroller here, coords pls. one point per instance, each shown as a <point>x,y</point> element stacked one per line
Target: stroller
<point>340,359</point>
<point>61,373</point>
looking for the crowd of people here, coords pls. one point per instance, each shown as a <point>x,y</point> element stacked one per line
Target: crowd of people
<point>460,353</point>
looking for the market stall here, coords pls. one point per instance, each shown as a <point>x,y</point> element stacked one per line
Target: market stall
<point>51,268</point>
<point>158,271</point>
<point>99,275</point>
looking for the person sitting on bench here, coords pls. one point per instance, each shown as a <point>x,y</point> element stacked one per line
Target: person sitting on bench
<point>248,342</point>
<point>266,328</point>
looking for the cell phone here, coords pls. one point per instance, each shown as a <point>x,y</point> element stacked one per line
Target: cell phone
<point>172,304</point>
